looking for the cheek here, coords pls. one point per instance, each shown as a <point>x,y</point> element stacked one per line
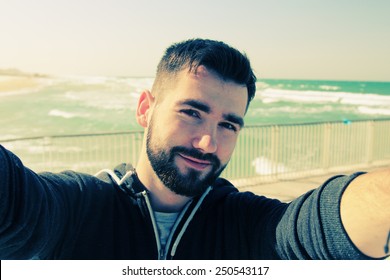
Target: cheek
<point>226,145</point>
<point>174,132</point>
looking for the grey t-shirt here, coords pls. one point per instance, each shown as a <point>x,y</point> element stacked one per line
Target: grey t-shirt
<point>165,222</point>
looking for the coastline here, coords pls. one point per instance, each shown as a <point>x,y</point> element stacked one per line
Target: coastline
<point>19,84</point>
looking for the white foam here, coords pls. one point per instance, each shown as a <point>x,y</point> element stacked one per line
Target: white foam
<point>374,111</point>
<point>143,83</point>
<point>267,100</point>
<point>264,166</point>
<point>298,96</point>
<point>366,99</point>
<point>114,94</point>
<point>103,100</point>
<point>140,83</point>
<point>327,87</point>
<point>65,115</point>
<point>274,95</point>
<point>86,80</point>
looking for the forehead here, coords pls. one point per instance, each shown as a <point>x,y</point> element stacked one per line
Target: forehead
<point>207,87</point>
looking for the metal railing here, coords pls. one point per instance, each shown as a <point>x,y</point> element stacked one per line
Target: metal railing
<point>284,152</point>
<point>263,153</point>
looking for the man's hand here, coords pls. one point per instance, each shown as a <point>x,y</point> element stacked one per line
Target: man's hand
<point>365,212</point>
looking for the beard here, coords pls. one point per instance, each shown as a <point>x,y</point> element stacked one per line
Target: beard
<point>190,184</point>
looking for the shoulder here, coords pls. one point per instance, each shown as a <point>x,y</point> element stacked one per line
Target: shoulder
<point>225,192</point>
<point>72,184</point>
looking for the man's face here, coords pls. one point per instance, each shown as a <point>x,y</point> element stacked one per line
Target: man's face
<point>193,130</point>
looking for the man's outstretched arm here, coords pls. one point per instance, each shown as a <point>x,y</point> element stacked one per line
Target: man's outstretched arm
<point>365,213</point>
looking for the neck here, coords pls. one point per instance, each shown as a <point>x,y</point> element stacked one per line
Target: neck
<point>167,201</point>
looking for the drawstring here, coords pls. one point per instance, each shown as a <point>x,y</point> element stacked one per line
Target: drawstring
<point>174,248</point>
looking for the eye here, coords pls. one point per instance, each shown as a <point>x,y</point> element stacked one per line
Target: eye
<point>192,113</point>
<point>229,126</point>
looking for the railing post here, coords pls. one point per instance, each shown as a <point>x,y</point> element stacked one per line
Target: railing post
<point>326,146</point>
<point>275,150</point>
<point>47,158</point>
<point>370,142</point>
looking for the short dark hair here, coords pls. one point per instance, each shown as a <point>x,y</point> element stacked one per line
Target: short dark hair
<point>227,62</point>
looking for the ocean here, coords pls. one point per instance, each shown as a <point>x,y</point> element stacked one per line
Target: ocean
<point>78,105</point>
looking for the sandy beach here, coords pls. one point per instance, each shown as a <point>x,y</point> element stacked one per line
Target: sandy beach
<point>10,84</point>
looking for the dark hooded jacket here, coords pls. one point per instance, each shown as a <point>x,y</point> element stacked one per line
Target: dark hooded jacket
<point>78,216</point>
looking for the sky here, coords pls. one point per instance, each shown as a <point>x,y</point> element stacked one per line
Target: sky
<point>284,39</point>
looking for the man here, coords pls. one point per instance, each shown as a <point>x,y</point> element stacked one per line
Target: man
<point>174,205</point>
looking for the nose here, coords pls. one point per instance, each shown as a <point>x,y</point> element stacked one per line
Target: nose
<point>206,142</point>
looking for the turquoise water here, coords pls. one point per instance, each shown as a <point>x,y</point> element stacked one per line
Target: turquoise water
<point>73,105</point>
<point>381,88</point>
<point>297,101</point>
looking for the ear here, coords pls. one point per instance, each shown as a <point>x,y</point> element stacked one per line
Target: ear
<point>144,106</point>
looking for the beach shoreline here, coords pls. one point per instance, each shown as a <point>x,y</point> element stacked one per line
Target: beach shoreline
<point>17,83</point>
<point>22,84</point>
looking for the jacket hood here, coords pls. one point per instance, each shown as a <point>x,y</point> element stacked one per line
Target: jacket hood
<point>124,176</point>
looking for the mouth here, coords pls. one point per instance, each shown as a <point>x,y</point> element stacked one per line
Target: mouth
<point>195,163</point>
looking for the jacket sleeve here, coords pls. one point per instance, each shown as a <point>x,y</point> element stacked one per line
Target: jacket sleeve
<point>36,211</point>
<point>311,227</point>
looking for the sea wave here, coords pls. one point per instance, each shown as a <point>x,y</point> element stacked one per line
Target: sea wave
<point>65,115</point>
<point>328,88</point>
<point>293,110</point>
<point>103,100</point>
<point>374,111</point>
<point>272,95</point>
<point>106,81</point>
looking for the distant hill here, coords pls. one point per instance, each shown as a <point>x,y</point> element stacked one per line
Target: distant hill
<point>17,72</point>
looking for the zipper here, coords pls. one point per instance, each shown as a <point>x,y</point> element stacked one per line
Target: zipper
<point>175,226</point>
<point>161,254</point>
<point>187,222</point>
<point>156,234</point>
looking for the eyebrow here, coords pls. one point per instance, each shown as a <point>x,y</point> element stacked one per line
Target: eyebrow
<point>197,105</point>
<point>205,108</point>
<point>234,119</point>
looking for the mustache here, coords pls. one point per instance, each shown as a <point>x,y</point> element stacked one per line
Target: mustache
<point>196,154</point>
